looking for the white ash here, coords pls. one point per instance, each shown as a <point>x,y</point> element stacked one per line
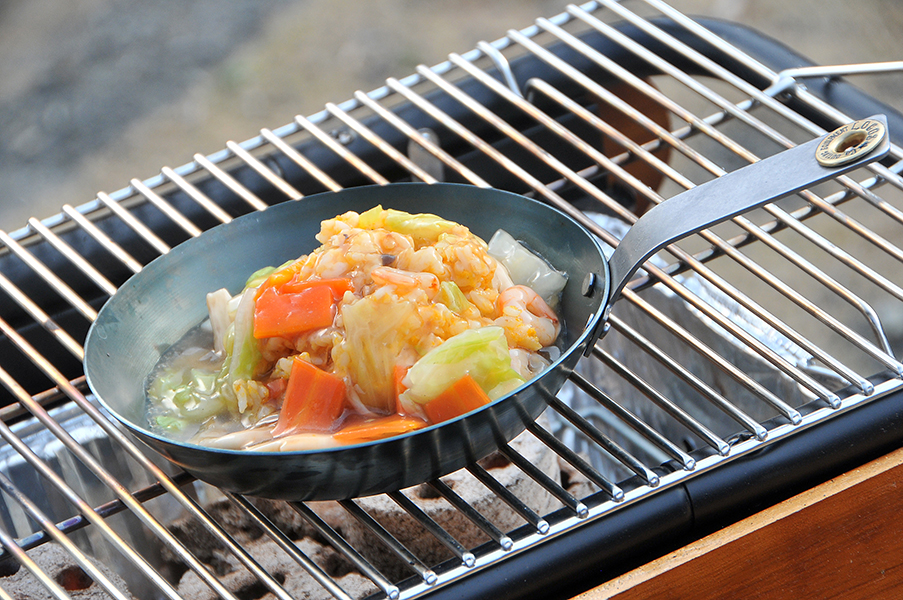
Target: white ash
<point>285,570</point>
<point>59,565</point>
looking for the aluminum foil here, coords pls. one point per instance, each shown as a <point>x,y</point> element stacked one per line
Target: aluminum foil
<point>665,383</point>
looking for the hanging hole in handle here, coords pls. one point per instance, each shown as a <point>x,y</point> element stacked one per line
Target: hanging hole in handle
<point>850,140</point>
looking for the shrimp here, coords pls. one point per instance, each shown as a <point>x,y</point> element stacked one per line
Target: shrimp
<point>527,319</point>
<point>406,281</point>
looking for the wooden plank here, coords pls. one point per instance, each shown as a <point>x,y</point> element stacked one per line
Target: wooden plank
<point>843,538</point>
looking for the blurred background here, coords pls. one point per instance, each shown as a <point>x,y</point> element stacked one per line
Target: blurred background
<point>95,92</point>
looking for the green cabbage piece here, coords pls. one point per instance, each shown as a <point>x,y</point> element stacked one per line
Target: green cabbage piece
<point>527,268</point>
<point>220,320</point>
<point>451,296</point>
<point>423,227</point>
<point>193,393</point>
<point>260,275</point>
<point>171,424</point>
<point>482,353</point>
<point>244,355</point>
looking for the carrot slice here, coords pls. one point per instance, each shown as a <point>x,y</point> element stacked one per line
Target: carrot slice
<point>378,428</point>
<point>278,278</point>
<point>314,400</point>
<point>461,397</point>
<point>338,286</point>
<point>277,314</point>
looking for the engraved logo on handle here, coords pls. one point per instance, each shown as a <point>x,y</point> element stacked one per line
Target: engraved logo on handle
<point>849,142</point>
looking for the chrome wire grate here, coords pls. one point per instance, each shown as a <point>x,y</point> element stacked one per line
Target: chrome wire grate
<point>740,337</point>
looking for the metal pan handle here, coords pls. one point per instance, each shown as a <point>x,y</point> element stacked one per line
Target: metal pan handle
<point>848,147</point>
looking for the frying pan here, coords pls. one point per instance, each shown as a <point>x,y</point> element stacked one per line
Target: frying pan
<point>157,306</point>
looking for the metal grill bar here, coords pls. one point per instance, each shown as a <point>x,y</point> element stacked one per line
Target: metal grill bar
<point>814,386</point>
<point>800,92</point>
<point>263,170</point>
<point>137,226</point>
<point>471,138</point>
<point>58,285</point>
<point>701,386</point>
<point>104,240</point>
<point>610,446</point>
<point>466,557</point>
<point>645,88</point>
<point>41,317</point>
<point>475,517</point>
<point>166,208</point>
<point>538,131</point>
<point>333,145</point>
<point>693,84</point>
<point>47,524</point>
<point>667,405</point>
<point>9,544</point>
<point>105,510</point>
<point>637,424</point>
<point>90,461</point>
<point>393,544</point>
<point>286,544</point>
<point>196,195</point>
<point>339,543</point>
<point>84,509</point>
<point>421,140</point>
<point>380,143</point>
<point>230,182</point>
<point>723,364</point>
<point>300,160</point>
<point>529,515</point>
<point>77,259</point>
<point>580,464</point>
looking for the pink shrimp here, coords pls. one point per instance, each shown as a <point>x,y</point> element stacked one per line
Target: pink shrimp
<point>527,318</point>
<point>406,281</point>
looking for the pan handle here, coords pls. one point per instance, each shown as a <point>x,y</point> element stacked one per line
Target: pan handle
<point>849,147</point>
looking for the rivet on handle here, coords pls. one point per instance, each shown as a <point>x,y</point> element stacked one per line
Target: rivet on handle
<point>849,142</point>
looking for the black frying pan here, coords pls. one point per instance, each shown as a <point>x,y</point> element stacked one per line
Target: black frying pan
<point>157,306</point>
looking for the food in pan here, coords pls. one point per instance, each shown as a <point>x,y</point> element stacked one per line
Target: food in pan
<point>395,322</point>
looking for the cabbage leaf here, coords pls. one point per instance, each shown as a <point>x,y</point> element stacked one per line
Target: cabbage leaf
<point>375,334</point>
<point>527,268</point>
<point>482,353</point>
<point>422,227</point>
<point>244,356</point>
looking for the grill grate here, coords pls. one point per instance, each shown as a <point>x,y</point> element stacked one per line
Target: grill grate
<point>745,335</point>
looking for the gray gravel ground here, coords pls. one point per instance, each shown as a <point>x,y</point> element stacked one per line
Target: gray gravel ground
<point>95,92</point>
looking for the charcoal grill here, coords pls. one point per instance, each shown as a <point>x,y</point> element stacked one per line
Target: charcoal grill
<point>743,365</point>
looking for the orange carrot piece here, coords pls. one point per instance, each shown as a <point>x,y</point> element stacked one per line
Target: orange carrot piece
<point>459,398</point>
<point>377,428</point>
<point>314,400</point>
<point>277,314</point>
<point>338,286</point>
<point>278,278</point>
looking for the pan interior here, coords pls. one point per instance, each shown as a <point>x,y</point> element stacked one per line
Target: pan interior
<point>156,307</point>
